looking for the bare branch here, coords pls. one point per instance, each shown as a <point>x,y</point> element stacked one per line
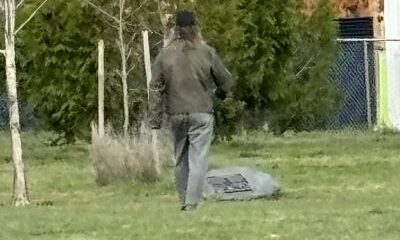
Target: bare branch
<point>122,4</point>
<point>138,59</point>
<point>20,3</point>
<point>3,52</point>
<point>141,5</point>
<point>130,70</point>
<point>132,38</point>
<point>129,53</point>
<point>6,13</point>
<point>118,72</point>
<point>305,66</point>
<point>158,43</point>
<point>151,31</point>
<point>103,11</point>
<point>109,15</point>
<point>119,45</point>
<point>30,17</point>
<point>112,25</point>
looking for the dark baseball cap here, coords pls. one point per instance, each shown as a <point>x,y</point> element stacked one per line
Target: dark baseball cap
<point>185,19</point>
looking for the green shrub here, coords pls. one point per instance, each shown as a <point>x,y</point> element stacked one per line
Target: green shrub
<point>279,57</point>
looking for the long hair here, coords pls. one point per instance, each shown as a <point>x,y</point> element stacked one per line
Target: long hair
<point>189,36</point>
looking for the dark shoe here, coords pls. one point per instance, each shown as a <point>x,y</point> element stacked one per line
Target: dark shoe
<point>189,207</point>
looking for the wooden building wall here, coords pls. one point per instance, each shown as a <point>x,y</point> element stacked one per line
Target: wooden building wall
<point>358,8</point>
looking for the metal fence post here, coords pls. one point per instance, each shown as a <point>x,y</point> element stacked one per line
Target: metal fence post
<point>377,87</point>
<point>367,84</point>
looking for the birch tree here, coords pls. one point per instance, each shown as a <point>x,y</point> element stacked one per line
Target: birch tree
<point>166,16</point>
<point>125,48</point>
<point>100,74</point>
<point>20,193</point>
<point>166,9</point>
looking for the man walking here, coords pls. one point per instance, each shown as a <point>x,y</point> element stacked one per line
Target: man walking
<point>186,75</point>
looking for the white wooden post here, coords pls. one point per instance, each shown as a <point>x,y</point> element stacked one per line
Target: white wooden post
<point>101,87</point>
<point>392,31</point>
<point>147,62</point>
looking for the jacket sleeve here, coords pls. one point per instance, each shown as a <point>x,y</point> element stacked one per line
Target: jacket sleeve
<point>156,90</point>
<point>222,77</point>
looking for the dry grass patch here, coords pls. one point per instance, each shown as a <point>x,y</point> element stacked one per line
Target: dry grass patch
<point>118,158</point>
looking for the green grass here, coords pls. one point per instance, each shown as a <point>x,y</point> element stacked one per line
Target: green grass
<point>336,186</point>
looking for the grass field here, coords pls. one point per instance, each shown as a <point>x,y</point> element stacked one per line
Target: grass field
<point>336,186</point>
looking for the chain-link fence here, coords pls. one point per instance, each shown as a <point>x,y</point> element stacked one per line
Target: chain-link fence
<point>27,118</point>
<point>354,75</point>
<point>359,75</point>
<point>3,110</point>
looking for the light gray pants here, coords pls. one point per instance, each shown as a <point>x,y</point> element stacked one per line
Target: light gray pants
<point>192,135</point>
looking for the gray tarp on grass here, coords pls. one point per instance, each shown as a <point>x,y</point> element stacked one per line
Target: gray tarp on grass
<point>239,183</point>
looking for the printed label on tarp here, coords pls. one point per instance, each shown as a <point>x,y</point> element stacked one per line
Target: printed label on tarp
<point>230,184</point>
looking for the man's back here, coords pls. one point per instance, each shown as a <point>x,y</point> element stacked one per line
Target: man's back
<point>190,74</point>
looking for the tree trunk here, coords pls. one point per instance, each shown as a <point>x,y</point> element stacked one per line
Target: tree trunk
<point>101,87</point>
<point>124,74</point>
<point>20,196</point>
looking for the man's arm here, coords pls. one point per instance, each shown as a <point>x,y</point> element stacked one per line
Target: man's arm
<point>157,86</point>
<point>222,77</point>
